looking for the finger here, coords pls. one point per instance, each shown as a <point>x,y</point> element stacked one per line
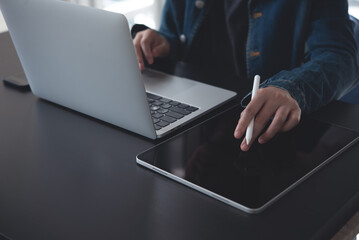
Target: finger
<point>248,114</point>
<point>138,51</point>
<point>293,120</point>
<point>260,122</point>
<point>279,120</point>
<point>160,50</point>
<point>244,146</point>
<point>146,49</point>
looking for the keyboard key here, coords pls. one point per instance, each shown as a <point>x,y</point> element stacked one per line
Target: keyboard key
<point>162,110</point>
<point>174,115</point>
<point>166,105</point>
<point>162,124</point>
<point>152,96</point>
<point>174,103</point>
<point>155,120</point>
<point>157,115</point>
<point>180,110</point>
<point>154,108</point>
<point>157,103</point>
<point>168,119</point>
<point>192,109</point>
<point>182,105</point>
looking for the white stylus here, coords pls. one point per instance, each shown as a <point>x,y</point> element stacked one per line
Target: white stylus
<point>249,131</point>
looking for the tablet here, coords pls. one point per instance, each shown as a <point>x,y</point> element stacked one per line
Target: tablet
<point>208,159</point>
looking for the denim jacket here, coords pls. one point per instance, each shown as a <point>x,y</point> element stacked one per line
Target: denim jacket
<point>303,46</point>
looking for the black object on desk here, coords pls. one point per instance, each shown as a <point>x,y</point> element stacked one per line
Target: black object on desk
<point>208,158</point>
<point>17,80</point>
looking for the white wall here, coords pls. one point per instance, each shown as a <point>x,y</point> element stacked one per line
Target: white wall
<point>150,15</point>
<point>3,27</point>
<point>137,11</point>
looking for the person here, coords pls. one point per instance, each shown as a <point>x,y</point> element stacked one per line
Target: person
<point>303,49</point>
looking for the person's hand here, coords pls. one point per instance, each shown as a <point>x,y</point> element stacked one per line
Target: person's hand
<point>149,45</point>
<point>268,102</point>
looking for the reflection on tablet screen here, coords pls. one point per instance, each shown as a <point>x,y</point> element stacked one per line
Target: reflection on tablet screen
<point>208,156</point>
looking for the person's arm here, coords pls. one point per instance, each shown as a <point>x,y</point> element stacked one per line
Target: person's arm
<point>150,44</point>
<point>329,70</point>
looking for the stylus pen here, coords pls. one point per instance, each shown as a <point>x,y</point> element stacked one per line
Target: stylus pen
<point>249,131</point>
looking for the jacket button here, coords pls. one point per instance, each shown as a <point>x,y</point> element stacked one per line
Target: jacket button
<point>254,54</point>
<point>183,38</point>
<point>257,15</point>
<point>199,4</point>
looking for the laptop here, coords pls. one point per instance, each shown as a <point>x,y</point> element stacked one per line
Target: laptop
<point>83,58</point>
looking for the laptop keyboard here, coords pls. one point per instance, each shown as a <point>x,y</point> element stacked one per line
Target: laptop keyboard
<point>164,111</point>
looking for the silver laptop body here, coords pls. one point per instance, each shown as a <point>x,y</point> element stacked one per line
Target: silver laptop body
<point>83,58</point>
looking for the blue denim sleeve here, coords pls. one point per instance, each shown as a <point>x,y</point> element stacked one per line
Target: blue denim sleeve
<point>330,67</point>
<point>170,29</point>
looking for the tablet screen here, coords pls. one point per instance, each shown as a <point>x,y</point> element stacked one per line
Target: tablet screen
<point>208,158</point>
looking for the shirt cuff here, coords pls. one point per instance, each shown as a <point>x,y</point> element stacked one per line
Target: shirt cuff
<point>290,86</point>
<point>137,28</point>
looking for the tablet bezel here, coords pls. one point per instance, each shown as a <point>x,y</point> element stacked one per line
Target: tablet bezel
<point>229,201</point>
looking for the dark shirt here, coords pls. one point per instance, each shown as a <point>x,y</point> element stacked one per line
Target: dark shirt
<point>236,20</point>
<point>303,46</point>
<point>211,45</point>
<point>221,38</point>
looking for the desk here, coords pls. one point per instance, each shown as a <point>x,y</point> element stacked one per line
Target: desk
<point>64,175</point>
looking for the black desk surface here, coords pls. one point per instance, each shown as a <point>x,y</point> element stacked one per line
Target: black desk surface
<point>64,175</point>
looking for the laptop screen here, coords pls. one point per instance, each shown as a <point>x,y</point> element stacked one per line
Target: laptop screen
<point>209,156</point>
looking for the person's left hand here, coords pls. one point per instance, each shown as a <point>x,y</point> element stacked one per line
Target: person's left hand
<point>268,102</point>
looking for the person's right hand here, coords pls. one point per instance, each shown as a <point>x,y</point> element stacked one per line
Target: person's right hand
<point>149,44</point>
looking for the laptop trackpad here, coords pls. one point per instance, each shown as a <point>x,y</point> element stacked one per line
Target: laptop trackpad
<point>164,84</point>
